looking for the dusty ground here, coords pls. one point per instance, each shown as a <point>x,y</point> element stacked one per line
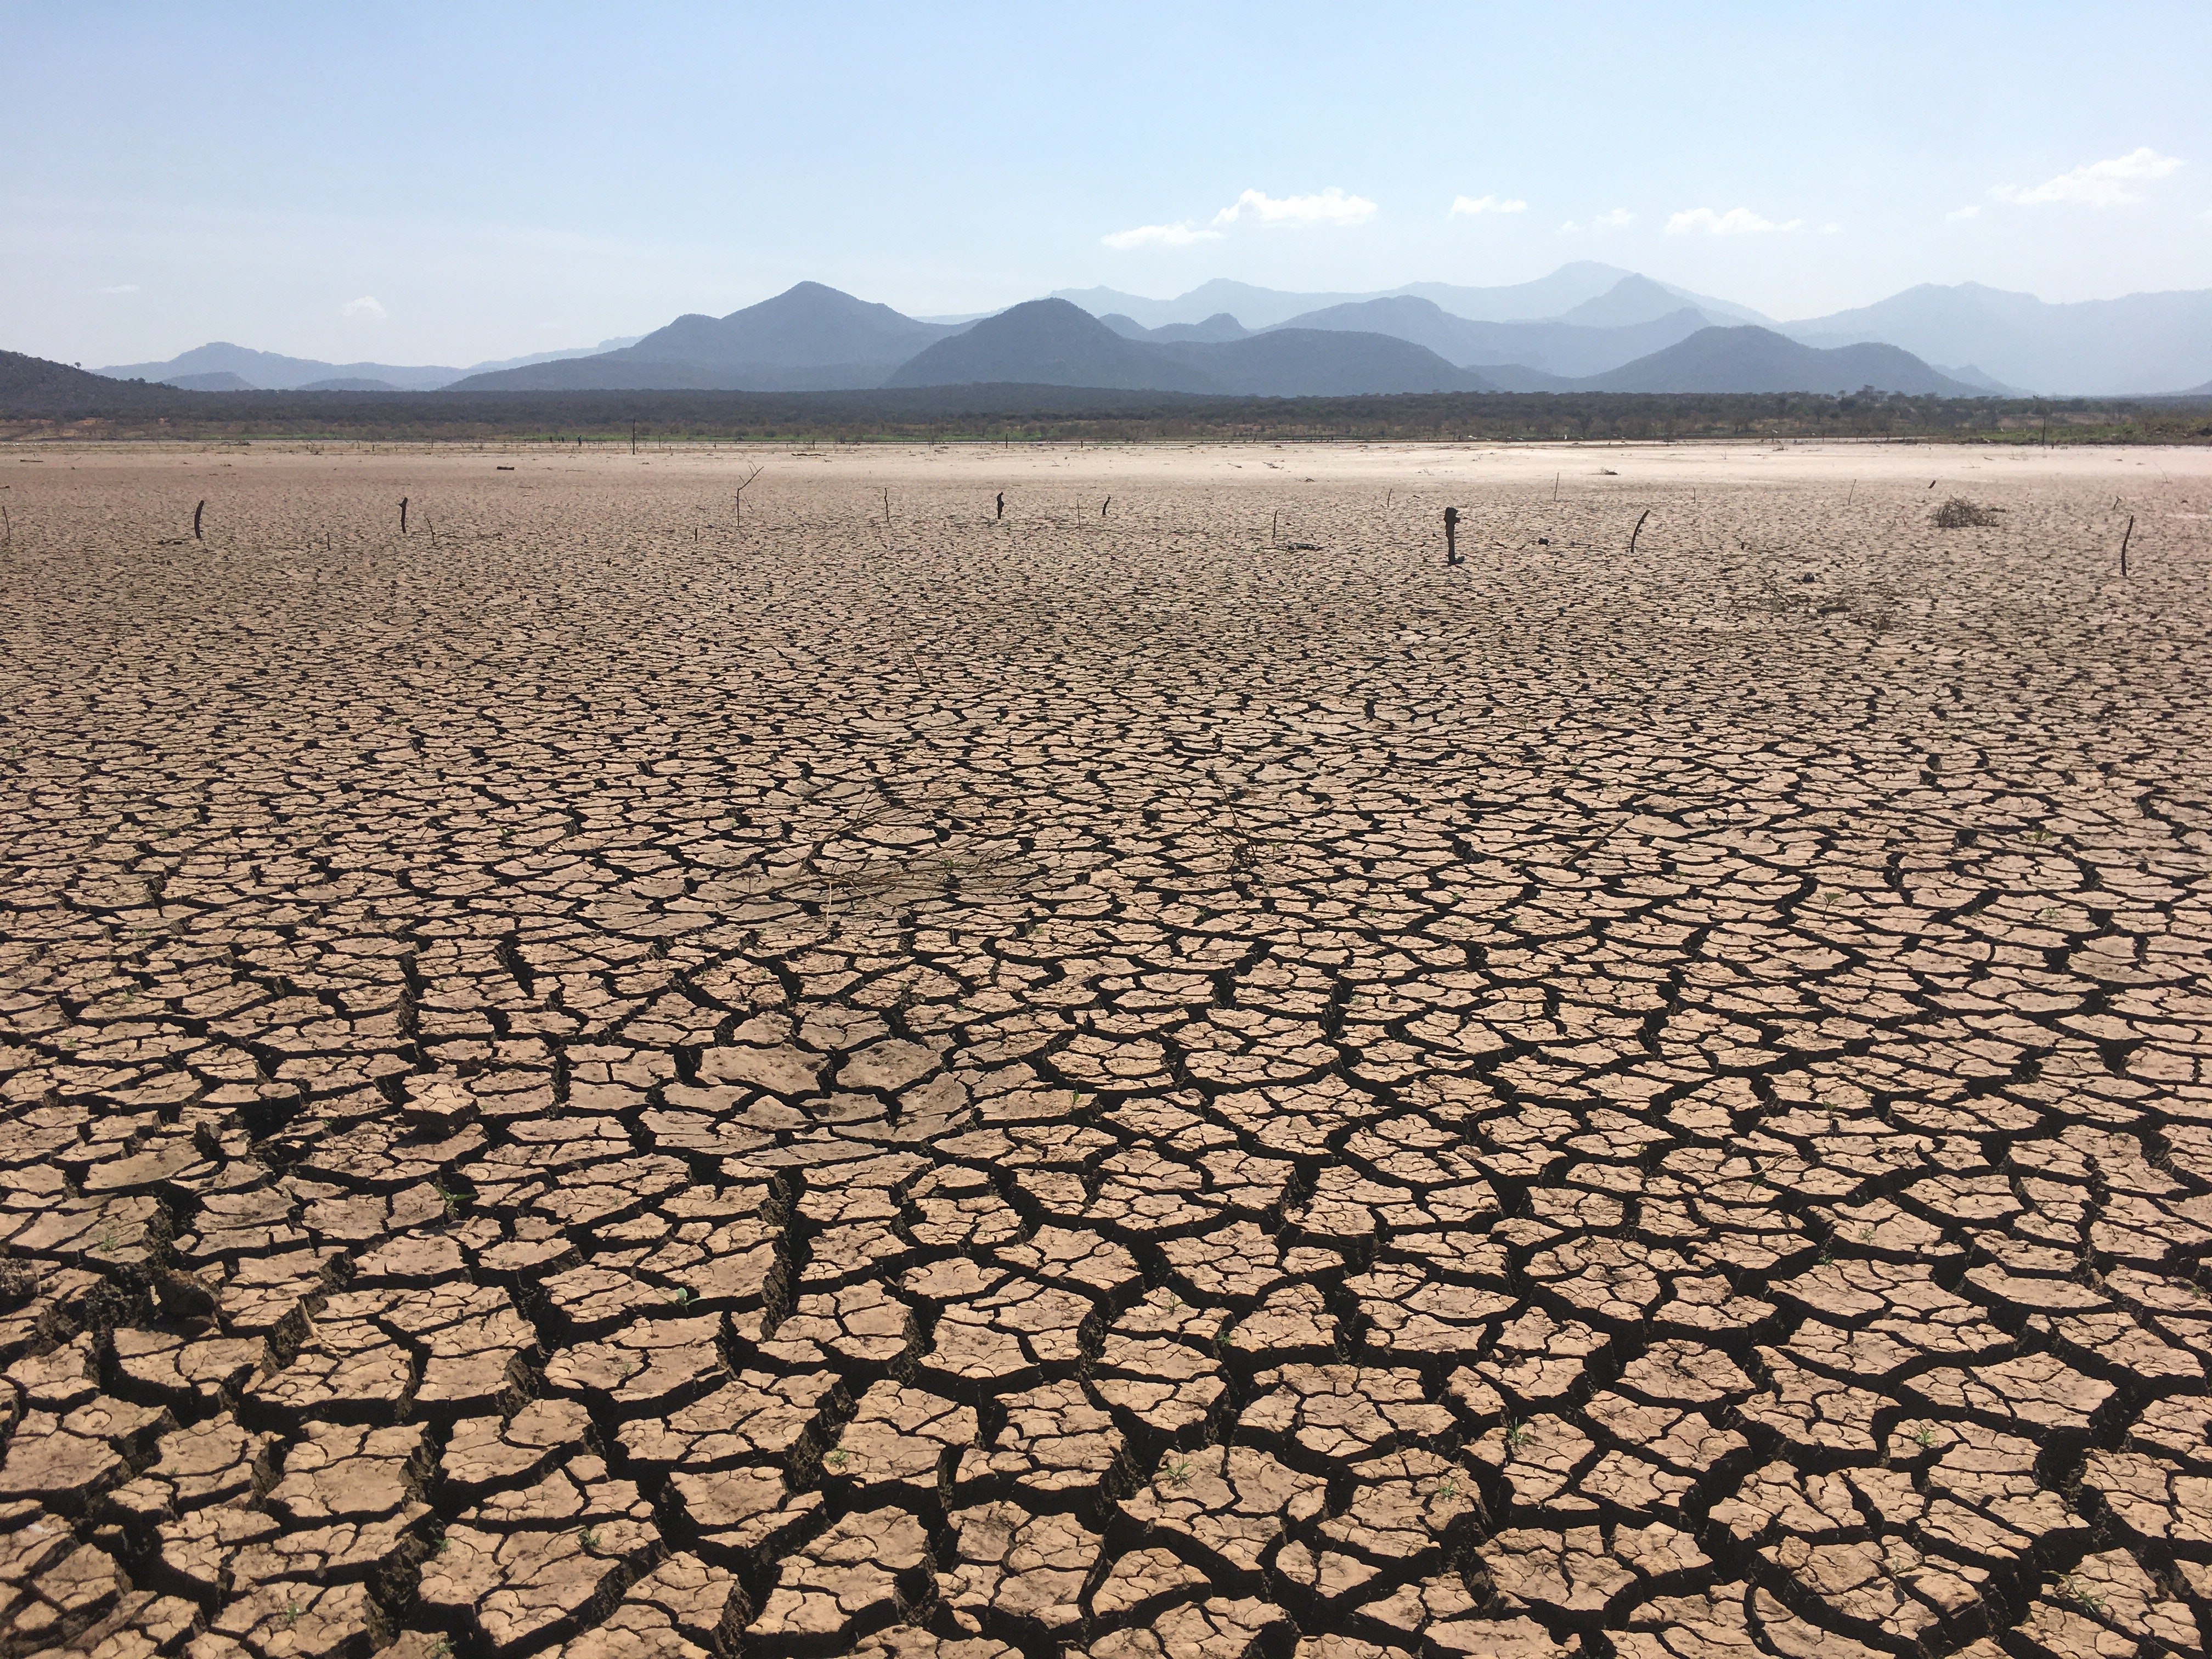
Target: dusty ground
<point>600,1079</point>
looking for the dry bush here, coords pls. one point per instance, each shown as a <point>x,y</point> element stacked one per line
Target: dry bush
<point>1959,513</point>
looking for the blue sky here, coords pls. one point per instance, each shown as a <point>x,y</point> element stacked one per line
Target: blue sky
<point>450,183</point>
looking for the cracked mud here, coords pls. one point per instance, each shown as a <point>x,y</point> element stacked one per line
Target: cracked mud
<point>606,1081</point>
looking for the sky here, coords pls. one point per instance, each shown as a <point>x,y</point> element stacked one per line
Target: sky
<point>451,183</point>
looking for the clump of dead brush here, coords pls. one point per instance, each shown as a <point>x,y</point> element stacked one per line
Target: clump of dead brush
<point>1959,513</point>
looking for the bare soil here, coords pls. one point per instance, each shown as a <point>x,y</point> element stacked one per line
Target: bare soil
<point>1163,1076</point>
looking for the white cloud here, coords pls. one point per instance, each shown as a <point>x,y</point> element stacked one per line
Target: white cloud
<point>368,306</point>
<point>1969,211</point>
<point>118,287</point>
<point>1331,207</point>
<point>1175,236</point>
<point>1468,204</point>
<point>2096,183</point>
<point>1736,222</point>
<point>1613,219</point>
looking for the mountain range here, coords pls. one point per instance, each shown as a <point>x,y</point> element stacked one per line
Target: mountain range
<point>220,366</point>
<point>1587,327</point>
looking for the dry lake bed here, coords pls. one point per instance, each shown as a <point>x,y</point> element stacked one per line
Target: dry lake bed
<point>630,1072</point>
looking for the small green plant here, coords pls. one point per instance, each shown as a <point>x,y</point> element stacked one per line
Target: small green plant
<point>1517,1434</point>
<point>444,1544</point>
<point>106,1239</point>
<point>838,1459</point>
<point>1923,1437</point>
<point>291,1612</point>
<point>443,1648</point>
<point>2081,1595</point>
<point>1448,1488</point>
<point>1866,1235</point>
<point>681,1296</point>
<point>1179,1472</point>
<point>590,1535</point>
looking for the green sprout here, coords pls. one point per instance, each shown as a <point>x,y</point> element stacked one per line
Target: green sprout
<point>2081,1595</point>
<point>1517,1434</point>
<point>1923,1437</point>
<point>838,1459</point>
<point>1179,1472</point>
<point>590,1536</point>
<point>1448,1488</point>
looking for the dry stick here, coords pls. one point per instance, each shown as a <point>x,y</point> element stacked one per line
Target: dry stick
<point>2124,536</point>
<point>197,510</point>
<point>1638,531</point>
<point>1275,526</point>
<point>1103,505</point>
<point>742,487</point>
<point>1555,486</point>
<point>1854,492</point>
<point>9,524</point>
<point>403,515</point>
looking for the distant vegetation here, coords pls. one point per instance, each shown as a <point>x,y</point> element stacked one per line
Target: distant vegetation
<point>45,401</point>
<point>1014,415</point>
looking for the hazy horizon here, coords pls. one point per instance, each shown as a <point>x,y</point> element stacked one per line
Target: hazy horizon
<point>407,186</point>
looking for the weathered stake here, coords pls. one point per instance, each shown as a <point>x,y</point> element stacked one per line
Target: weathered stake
<point>197,510</point>
<point>2125,536</point>
<point>1002,504</point>
<point>1451,535</point>
<point>403,515</point>
<point>1638,531</point>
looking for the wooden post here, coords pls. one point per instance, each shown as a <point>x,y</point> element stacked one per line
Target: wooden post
<point>1275,529</point>
<point>1103,505</point>
<point>403,515</point>
<point>1638,531</point>
<point>1002,504</point>
<point>197,510</point>
<point>2125,536</point>
<point>1451,535</point>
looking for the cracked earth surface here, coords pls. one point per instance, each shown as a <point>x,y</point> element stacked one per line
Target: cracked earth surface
<point>598,1081</point>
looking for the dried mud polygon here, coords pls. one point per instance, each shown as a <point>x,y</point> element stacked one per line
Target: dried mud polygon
<point>597,1080</point>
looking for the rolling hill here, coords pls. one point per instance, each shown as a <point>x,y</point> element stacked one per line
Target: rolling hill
<point>1561,350</point>
<point>1054,342</point>
<point>1751,359</point>
<point>1623,297</point>
<point>810,338</point>
<point>36,385</point>
<point>2137,343</point>
<point>271,371</point>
